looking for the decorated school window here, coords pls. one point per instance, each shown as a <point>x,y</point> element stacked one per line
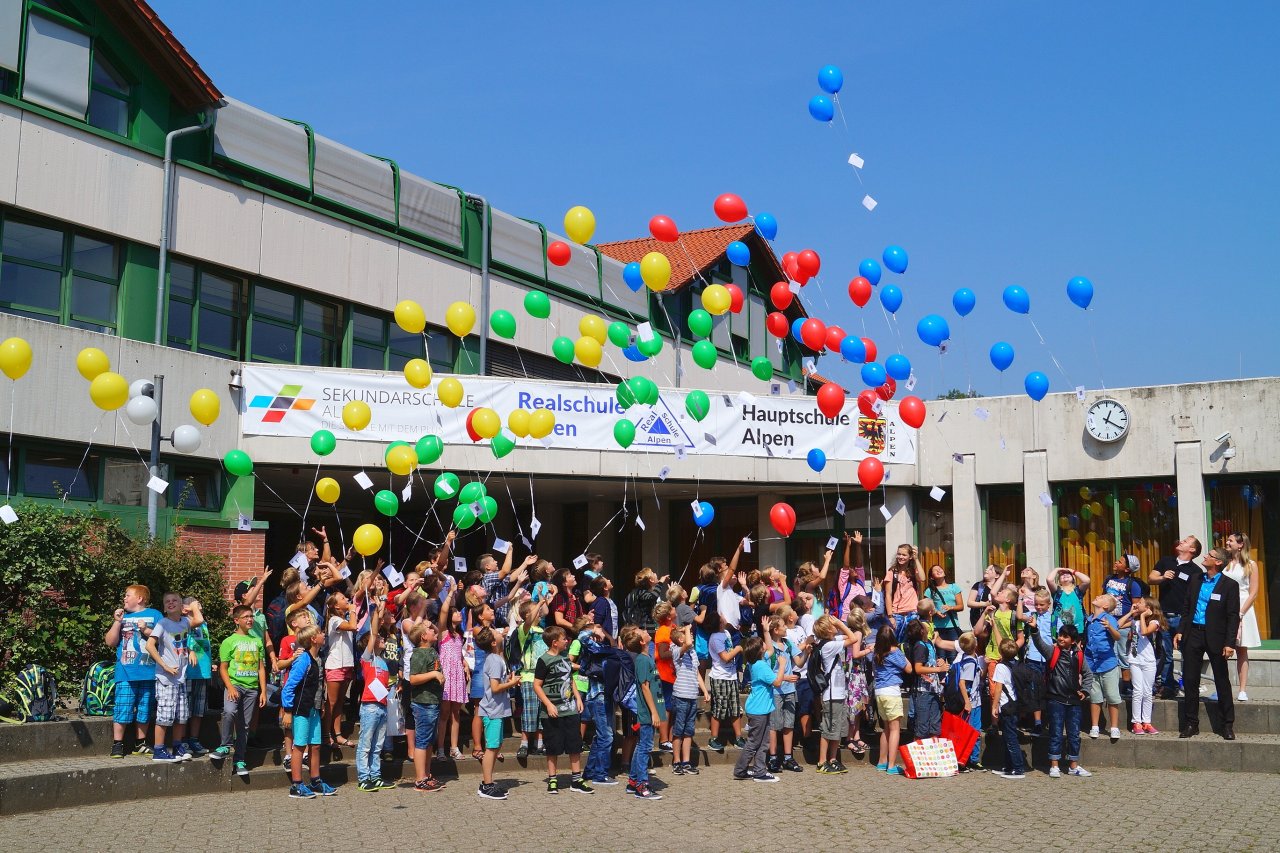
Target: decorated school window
<point>59,275</point>
<point>1100,521</point>
<point>1006,527</point>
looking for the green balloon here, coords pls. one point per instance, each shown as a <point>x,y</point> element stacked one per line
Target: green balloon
<point>651,347</point>
<point>537,304</point>
<point>624,432</point>
<point>392,446</point>
<point>501,445</point>
<point>647,392</point>
<point>463,517</point>
<point>238,463</point>
<point>386,503</point>
<point>488,509</point>
<point>429,448</point>
<point>1086,513</point>
<point>700,323</point>
<point>697,404</point>
<point>619,335</point>
<point>704,354</point>
<point>503,324</point>
<point>1130,505</point>
<point>562,349</point>
<point>323,442</point>
<point>446,486</point>
<point>472,492</point>
<point>762,368</point>
<point>626,393</point>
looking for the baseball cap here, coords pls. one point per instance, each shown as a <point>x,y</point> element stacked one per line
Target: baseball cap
<point>242,589</point>
<point>1133,562</point>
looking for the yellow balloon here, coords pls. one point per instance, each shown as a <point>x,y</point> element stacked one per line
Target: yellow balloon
<point>655,269</point>
<point>410,317</point>
<point>328,490</point>
<point>1085,493</point>
<point>1124,515</point>
<point>588,351</point>
<point>593,327</point>
<point>15,358</point>
<point>109,391</point>
<point>205,406</point>
<point>1096,507</point>
<point>486,423</point>
<point>1073,535</point>
<point>91,361</point>
<point>1063,523</point>
<point>716,299</point>
<point>460,318</point>
<point>541,423</point>
<point>402,460</point>
<point>518,421</point>
<point>450,392</point>
<point>356,415</point>
<point>579,224</point>
<point>417,373</point>
<point>367,539</point>
<point>1091,537</point>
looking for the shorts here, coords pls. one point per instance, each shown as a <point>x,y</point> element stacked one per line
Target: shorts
<point>668,692</point>
<point>804,697</point>
<point>171,703</point>
<point>700,646</point>
<point>425,718</point>
<point>783,715</point>
<point>477,686</point>
<point>724,700</point>
<point>342,673</point>
<point>133,701</point>
<point>198,697</point>
<point>529,708</point>
<point>493,727</point>
<point>835,719</point>
<point>562,735</point>
<point>306,729</point>
<point>684,713</point>
<point>1106,686</point>
<point>889,706</point>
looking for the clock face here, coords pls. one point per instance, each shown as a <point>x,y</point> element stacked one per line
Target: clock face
<point>1107,420</point>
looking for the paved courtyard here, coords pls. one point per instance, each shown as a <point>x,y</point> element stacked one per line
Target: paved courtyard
<point>1166,810</point>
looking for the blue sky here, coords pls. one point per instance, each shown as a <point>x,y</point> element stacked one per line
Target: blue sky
<point>1006,142</point>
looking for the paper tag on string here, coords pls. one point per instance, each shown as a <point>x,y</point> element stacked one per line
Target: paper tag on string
<point>664,472</point>
<point>839,506</point>
<point>981,413</point>
<point>884,511</point>
<point>956,457</point>
<point>779,344</point>
<point>791,386</point>
<point>509,435</point>
<point>709,438</point>
<point>362,480</point>
<point>640,522</point>
<point>1003,445</point>
<point>681,453</point>
<point>746,544</point>
<point>775,388</point>
<point>855,161</point>
<point>534,527</point>
<point>460,565</point>
<point>644,332</point>
<point>300,561</point>
<point>808,365</point>
<point>407,492</point>
<point>445,486</point>
<point>937,493</point>
<point>579,561</point>
<point>728,402</point>
<point>877,406</point>
<point>345,572</point>
<point>393,575</point>
<point>527,544</point>
<point>943,347</point>
<point>244,522</point>
<point>477,508</point>
<point>887,475</point>
<point>911,382</point>
<point>7,515</point>
<point>158,485</point>
<point>1080,393</point>
<point>377,690</point>
<point>1045,500</point>
<point>832,543</point>
<point>696,506</point>
<point>502,546</point>
<point>942,417</point>
<point>869,203</point>
<point>793,286</point>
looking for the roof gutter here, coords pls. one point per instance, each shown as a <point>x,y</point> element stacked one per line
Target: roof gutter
<point>166,214</point>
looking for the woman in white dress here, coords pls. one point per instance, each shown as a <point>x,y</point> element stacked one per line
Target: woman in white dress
<point>1244,571</point>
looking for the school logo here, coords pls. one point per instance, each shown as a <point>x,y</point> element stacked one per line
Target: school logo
<point>279,405</point>
<point>872,429</point>
<point>661,428</point>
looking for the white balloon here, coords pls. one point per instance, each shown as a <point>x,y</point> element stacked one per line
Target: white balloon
<point>186,439</point>
<point>141,410</point>
<point>138,387</point>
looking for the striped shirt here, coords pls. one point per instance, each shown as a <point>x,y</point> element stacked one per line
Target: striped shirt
<point>686,663</point>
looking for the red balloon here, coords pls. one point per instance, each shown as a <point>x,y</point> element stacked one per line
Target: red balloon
<point>835,335</point>
<point>866,400</point>
<point>663,229</point>
<point>860,291</point>
<point>471,431</point>
<point>735,298</point>
<point>558,253</point>
<point>830,400</point>
<point>871,348</point>
<point>730,208</point>
<point>887,390</point>
<point>870,473</point>
<point>780,295</point>
<point>777,324</point>
<point>912,411</point>
<point>809,262</point>
<point>783,518</point>
<point>813,333</point>
<point>791,266</point>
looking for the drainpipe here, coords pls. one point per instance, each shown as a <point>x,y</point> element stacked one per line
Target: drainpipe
<point>166,213</point>
<point>484,281</point>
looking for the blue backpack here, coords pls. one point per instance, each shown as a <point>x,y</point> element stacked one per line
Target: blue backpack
<point>98,691</point>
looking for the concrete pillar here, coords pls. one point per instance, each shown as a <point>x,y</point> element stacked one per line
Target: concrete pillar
<point>1039,518</point>
<point>967,522</point>
<point>901,527</point>
<point>598,515</point>
<point>1190,485</point>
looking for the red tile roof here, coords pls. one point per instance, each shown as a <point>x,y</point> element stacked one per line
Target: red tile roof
<point>704,246</point>
<point>156,43</point>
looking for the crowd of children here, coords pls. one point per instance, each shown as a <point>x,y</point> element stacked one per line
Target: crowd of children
<point>527,650</point>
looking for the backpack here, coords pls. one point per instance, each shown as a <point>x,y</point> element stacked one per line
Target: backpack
<point>637,608</point>
<point>1027,688</point>
<point>819,678</point>
<point>590,661</point>
<point>1057,653</point>
<point>625,692</point>
<point>32,695</point>
<point>98,691</point>
<point>953,692</point>
<point>277,629</point>
<point>513,649</point>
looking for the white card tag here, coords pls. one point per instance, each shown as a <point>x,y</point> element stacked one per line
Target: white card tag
<point>981,413</point>
<point>778,342</point>
<point>509,435</point>
<point>407,492</point>
<point>869,203</point>
<point>477,508</point>
<point>937,493</point>
<point>911,383</point>
<point>1181,575</point>
<point>377,690</point>
<point>884,511</point>
<point>157,485</point>
<point>793,286</point>
<point>502,546</point>
<point>746,544</point>
<point>640,522</point>
<point>546,442</point>
<point>362,480</point>
<point>696,506</point>
<point>862,443</point>
<point>791,386</point>
<point>300,561</point>
<point>345,572</point>
<point>534,527</point>
<point>808,364</point>
<point>709,438</point>
<point>956,457</point>
<point>877,406</point>
<point>393,575</point>
<point>681,454</point>
<point>644,332</point>
<point>525,539</point>
<point>460,565</point>
<point>855,161</point>
<point>244,522</point>
<point>580,561</point>
<point>1003,444</point>
<point>746,398</point>
<point>775,388</point>
<point>7,515</point>
<point>943,347</point>
<point>1045,500</point>
<point>1080,393</point>
<point>1217,596</point>
<point>839,506</point>
<point>664,472</point>
<point>832,543</point>
<point>445,486</point>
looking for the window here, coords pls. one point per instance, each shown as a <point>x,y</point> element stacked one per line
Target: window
<point>1086,528</point>
<point>935,526</point>
<point>1097,522</point>
<point>292,329</point>
<point>64,277</point>
<point>193,489</point>
<point>1006,527</point>
<point>741,348</point>
<point>377,343</point>
<point>1240,505</point>
<point>124,482</point>
<point>108,97</point>
<point>52,474</point>
<point>206,312</point>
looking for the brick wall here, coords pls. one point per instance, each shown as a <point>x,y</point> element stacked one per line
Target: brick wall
<point>243,552</point>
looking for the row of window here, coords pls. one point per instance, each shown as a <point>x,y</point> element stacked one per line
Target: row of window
<point>40,472</point>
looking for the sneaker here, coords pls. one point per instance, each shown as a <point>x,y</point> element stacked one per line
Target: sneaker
<point>978,767</point>
<point>323,788</point>
<point>1055,772</point>
<point>368,785</point>
<point>523,752</point>
<point>790,763</point>
<point>1137,729</point>
<point>223,752</point>
<point>715,746</point>
<point>455,754</point>
<point>288,764</point>
<point>892,771</point>
<point>881,767</point>
<point>540,749</point>
<point>384,785</point>
<point>117,749</point>
<point>1242,697</point>
<point>966,768</point>
<point>1093,732</point>
<point>142,749</point>
<point>1115,733</point>
<point>677,769</point>
<point>773,765</point>
<point>429,785</point>
<point>766,777</point>
<point>666,746</point>
<point>837,766</point>
<point>164,756</point>
<point>1149,729</point>
<point>690,769</point>
<point>196,747</point>
<point>242,769</point>
<point>1078,771</point>
<point>581,786</point>
<point>644,792</point>
<point>821,768</point>
<point>299,791</point>
<point>553,785</point>
<point>742,777</point>
<point>490,791</point>
<point>1006,775</point>
<point>607,780</point>
<point>740,742</point>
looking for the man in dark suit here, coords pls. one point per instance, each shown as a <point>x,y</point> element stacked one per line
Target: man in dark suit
<point>1210,619</point>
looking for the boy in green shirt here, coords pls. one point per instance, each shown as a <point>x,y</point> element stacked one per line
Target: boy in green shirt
<point>244,679</point>
<point>426,683</point>
<point>561,710</point>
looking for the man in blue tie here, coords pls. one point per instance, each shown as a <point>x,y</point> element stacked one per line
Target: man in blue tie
<point>1210,620</point>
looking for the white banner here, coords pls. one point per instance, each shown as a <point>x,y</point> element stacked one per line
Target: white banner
<point>297,401</point>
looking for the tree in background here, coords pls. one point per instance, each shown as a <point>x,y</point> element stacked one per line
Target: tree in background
<point>957,394</point>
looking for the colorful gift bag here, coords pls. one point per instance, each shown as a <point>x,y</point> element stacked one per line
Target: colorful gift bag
<point>930,758</point>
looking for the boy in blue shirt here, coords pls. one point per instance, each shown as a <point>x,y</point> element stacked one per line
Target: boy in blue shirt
<point>759,705</point>
<point>135,670</point>
<point>1040,624</point>
<point>1101,634</point>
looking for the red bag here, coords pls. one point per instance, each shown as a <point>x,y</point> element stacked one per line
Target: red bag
<point>962,735</point>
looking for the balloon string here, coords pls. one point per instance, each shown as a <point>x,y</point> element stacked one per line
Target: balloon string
<point>129,435</point>
<point>689,560</point>
<point>697,272</point>
<point>964,346</point>
<point>8,470</point>
<point>267,486</point>
<point>598,532</point>
<point>315,478</point>
<point>87,448</point>
<point>1052,357</point>
<point>1088,318</point>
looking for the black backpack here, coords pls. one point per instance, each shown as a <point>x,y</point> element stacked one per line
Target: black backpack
<point>819,678</point>
<point>277,629</point>
<point>953,694</point>
<point>1028,685</point>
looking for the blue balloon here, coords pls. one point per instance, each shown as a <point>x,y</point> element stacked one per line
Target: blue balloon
<point>766,225</point>
<point>873,374</point>
<point>738,253</point>
<point>1037,385</point>
<point>631,275</point>
<point>963,301</point>
<point>933,329</point>
<point>870,270</point>
<point>1080,291</point>
<point>1001,356</point>
<point>817,459</point>
<point>895,259</point>
<point>1017,299</point>
<point>853,349</point>
<point>795,328</point>
<point>1173,502</point>
<point>821,108</point>
<point>891,298</point>
<point>830,79</point>
<point>633,354</point>
<point>898,366</point>
<point>708,514</point>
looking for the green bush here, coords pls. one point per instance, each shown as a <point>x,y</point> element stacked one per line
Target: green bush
<point>62,577</point>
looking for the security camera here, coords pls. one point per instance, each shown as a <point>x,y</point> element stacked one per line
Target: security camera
<point>1223,437</point>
